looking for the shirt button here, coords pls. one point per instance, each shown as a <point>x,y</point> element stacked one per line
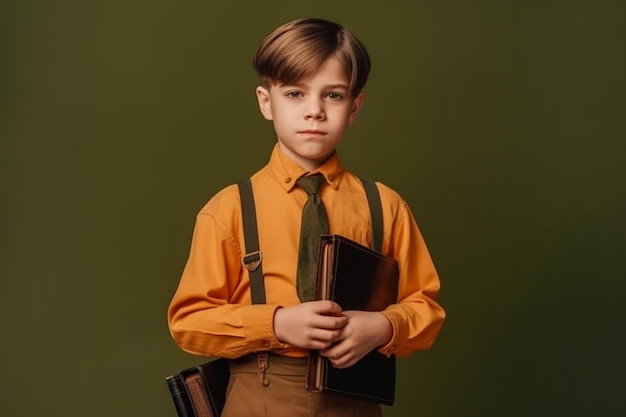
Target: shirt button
<point>266,343</point>
<point>288,180</point>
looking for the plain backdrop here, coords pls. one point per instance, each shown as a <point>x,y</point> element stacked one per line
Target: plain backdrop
<point>502,123</point>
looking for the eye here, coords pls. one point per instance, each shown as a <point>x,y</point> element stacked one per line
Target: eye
<point>293,94</point>
<point>334,96</point>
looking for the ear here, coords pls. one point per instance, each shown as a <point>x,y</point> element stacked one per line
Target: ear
<point>357,102</point>
<point>265,103</point>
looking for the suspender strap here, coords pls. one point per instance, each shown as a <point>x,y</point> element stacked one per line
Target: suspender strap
<point>376,213</point>
<point>253,257</point>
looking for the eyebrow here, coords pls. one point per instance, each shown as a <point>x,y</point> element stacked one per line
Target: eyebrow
<point>326,87</point>
<point>337,86</point>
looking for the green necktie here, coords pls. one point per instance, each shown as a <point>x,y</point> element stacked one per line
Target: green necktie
<point>314,223</point>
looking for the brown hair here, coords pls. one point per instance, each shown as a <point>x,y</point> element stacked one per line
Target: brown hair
<point>297,48</point>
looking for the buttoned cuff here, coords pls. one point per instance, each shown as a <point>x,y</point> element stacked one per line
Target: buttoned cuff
<point>258,322</point>
<point>400,332</point>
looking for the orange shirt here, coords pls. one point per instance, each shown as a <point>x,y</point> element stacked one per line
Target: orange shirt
<point>211,314</point>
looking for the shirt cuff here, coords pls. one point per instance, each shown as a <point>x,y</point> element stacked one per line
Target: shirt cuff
<point>400,332</point>
<point>258,320</point>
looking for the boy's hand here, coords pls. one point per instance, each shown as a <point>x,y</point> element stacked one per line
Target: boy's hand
<point>310,325</point>
<point>365,331</point>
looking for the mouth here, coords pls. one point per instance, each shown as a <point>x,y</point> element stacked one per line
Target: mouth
<point>312,132</point>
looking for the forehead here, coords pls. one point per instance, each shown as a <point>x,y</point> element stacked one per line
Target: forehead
<point>331,72</point>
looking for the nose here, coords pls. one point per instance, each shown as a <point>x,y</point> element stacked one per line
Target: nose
<point>315,109</point>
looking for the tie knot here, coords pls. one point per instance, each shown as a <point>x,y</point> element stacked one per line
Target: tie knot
<point>311,184</point>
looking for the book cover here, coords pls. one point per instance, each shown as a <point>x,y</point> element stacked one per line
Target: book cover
<point>357,278</point>
<point>200,391</point>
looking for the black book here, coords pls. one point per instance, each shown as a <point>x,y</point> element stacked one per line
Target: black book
<point>357,278</point>
<point>200,391</point>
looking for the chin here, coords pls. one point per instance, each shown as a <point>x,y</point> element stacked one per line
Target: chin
<point>317,156</point>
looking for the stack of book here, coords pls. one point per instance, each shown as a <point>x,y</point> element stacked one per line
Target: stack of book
<point>357,278</point>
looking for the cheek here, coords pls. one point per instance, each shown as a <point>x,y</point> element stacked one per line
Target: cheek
<point>282,112</point>
<point>344,118</point>
<point>282,123</point>
<point>351,117</point>
<point>280,117</point>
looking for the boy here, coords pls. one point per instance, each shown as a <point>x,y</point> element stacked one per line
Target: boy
<point>312,73</point>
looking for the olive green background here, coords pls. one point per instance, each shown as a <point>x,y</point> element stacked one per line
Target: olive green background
<point>502,123</point>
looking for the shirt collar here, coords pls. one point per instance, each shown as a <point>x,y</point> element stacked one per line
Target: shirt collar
<point>286,171</point>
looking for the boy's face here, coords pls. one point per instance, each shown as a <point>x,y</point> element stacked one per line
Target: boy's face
<point>311,116</point>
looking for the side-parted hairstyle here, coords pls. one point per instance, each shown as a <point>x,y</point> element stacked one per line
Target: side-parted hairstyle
<point>298,48</point>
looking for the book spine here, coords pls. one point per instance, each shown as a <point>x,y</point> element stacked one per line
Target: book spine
<point>181,399</point>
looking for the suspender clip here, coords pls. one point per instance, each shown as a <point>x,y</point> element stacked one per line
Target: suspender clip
<point>252,260</point>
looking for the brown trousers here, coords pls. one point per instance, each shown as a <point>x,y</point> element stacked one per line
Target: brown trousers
<point>281,392</point>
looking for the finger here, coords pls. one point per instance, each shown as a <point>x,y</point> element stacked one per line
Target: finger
<point>327,307</point>
<point>332,322</point>
<point>336,350</point>
<point>327,322</point>
<point>326,336</point>
<point>319,343</point>
<point>342,361</point>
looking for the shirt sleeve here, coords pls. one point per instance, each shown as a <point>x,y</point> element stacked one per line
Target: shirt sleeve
<point>210,313</point>
<point>417,318</point>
